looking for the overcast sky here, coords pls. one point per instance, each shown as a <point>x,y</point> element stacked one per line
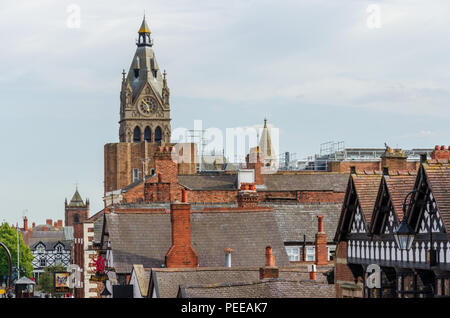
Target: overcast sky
<point>314,68</point>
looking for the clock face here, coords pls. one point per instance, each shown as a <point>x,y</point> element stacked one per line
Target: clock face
<point>147,106</point>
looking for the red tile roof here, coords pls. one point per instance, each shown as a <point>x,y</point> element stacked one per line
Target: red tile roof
<point>366,186</point>
<point>398,187</point>
<point>438,175</point>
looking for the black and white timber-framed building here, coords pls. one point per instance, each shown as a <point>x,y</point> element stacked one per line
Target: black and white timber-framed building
<point>371,212</point>
<point>50,254</point>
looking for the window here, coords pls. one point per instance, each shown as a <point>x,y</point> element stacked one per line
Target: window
<point>331,252</point>
<point>40,249</point>
<point>137,134</point>
<point>310,253</point>
<point>42,262</point>
<point>58,250</point>
<point>148,134</point>
<point>293,253</point>
<point>135,174</point>
<point>76,219</point>
<point>158,134</point>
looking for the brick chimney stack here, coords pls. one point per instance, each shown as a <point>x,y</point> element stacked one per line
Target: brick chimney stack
<point>394,159</point>
<point>60,224</point>
<point>247,196</point>
<point>255,161</point>
<point>181,254</point>
<point>165,163</point>
<point>25,224</point>
<point>49,222</point>
<point>440,153</point>
<point>270,270</point>
<point>321,243</point>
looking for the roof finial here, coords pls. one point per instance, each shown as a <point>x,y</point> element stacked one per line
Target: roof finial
<point>144,27</point>
<point>123,75</point>
<point>265,122</point>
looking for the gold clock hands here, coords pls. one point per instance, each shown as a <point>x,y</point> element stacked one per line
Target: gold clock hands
<point>146,104</point>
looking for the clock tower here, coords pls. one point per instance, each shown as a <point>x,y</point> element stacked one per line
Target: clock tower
<point>144,97</point>
<point>144,123</point>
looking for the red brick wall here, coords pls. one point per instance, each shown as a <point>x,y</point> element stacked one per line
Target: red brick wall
<point>212,196</point>
<point>344,166</point>
<point>303,196</point>
<point>157,192</point>
<point>83,215</point>
<point>394,163</point>
<point>121,158</point>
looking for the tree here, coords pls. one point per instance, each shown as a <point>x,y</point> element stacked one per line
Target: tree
<point>45,282</point>
<point>8,236</point>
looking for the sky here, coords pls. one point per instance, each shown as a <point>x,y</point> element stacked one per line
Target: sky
<point>362,72</point>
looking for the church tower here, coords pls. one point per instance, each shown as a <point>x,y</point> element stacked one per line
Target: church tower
<point>144,97</point>
<point>76,211</point>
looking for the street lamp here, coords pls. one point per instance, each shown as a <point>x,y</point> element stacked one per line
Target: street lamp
<point>404,234</point>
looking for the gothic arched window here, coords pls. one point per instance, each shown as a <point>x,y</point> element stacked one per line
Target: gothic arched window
<point>76,219</point>
<point>148,134</point>
<point>137,134</point>
<point>158,134</point>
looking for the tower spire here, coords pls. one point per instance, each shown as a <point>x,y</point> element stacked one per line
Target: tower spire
<point>144,34</point>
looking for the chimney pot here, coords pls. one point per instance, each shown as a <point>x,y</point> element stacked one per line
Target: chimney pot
<point>270,270</point>
<point>184,197</point>
<point>228,257</point>
<point>270,259</point>
<point>312,272</point>
<point>320,223</point>
<point>159,177</point>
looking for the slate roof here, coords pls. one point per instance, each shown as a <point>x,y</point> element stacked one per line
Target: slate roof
<point>367,186</point>
<point>145,238</point>
<point>50,246</point>
<point>398,187</point>
<point>166,281</point>
<point>76,201</point>
<point>438,175</point>
<point>46,236</point>
<point>270,288</point>
<point>306,182</point>
<point>296,220</point>
<point>208,181</point>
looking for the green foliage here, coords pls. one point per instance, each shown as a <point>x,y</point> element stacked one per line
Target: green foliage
<point>45,283</point>
<point>8,236</point>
